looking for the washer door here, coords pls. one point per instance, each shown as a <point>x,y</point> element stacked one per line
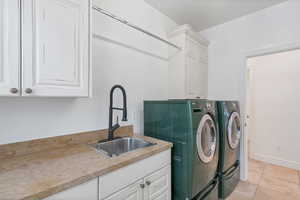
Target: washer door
<point>206,139</point>
<point>234,130</point>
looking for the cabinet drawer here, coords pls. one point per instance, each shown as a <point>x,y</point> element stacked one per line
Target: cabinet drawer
<point>131,192</point>
<point>119,179</point>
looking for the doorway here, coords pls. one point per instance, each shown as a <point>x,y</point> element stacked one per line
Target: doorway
<point>272,115</point>
<point>272,110</point>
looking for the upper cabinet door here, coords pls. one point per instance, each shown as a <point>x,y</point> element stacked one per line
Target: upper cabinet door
<point>188,69</point>
<point>9,47</point>
<point>196,66</point>
<point>56,48</point>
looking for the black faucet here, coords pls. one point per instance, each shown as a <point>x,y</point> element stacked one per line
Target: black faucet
<point>112,128</point>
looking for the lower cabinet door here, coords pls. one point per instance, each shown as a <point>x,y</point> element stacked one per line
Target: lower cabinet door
<point>158,185</point>
<point>131,192</point>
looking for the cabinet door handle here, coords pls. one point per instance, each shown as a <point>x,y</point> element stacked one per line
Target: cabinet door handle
<point>28,91</point>
<point>142,185</point>
<point>14,90</point>
<point>148,183</point>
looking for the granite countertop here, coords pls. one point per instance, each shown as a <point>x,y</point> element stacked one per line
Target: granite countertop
<point>42,174</point>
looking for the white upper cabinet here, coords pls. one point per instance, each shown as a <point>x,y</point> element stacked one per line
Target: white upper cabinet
<point>188,67</point>
<point>56,48</point>
<point>196,66</point>
<point>9,47</point>
<point>54,42</point>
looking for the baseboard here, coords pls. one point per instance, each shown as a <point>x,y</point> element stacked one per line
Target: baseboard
<point>276,161</point>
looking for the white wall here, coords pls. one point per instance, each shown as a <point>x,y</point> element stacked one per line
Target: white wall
<point>232,41</point>
<point>120,55</point>
<point>275,115</point>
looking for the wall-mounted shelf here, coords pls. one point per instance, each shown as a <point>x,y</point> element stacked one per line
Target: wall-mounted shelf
<point>123,21</point>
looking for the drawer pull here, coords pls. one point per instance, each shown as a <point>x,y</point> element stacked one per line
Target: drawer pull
<point>28,91</point>
<point>14,90</point>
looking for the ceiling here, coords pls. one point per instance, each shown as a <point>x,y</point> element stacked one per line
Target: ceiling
<point>202,14</point>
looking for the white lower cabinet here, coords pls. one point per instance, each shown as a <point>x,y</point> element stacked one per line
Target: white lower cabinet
<point>156,186</point>
<point>148,179</point>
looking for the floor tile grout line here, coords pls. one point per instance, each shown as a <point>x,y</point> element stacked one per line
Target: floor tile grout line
<point>260,178</point>
<point>262,173</point>
<point>254,196</point>
<point>257,186</point>
<point>264,168</point>
<point>298,176</point>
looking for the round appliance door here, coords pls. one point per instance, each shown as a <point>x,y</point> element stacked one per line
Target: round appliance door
<point>206,139</point>
<point>234,130</point>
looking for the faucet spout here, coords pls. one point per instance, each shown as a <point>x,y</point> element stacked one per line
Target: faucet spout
<point>112,128</point>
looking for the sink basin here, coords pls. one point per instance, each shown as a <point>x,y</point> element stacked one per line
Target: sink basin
<point>120,146</point>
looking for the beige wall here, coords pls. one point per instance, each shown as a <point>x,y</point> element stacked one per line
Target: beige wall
<point>275,108</point>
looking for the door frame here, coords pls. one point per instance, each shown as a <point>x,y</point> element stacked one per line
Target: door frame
<point>245,94</point>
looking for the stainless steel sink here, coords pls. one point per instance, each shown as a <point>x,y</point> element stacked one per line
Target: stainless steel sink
<point>121,145</point>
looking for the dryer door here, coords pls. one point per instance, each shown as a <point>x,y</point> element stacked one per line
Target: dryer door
<point>234,130</point>
<point>206,139</point>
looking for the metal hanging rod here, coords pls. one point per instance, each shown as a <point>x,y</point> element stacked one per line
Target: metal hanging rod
<point>109,14</point>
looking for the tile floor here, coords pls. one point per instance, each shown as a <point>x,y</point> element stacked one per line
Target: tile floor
<point>268,182</point>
